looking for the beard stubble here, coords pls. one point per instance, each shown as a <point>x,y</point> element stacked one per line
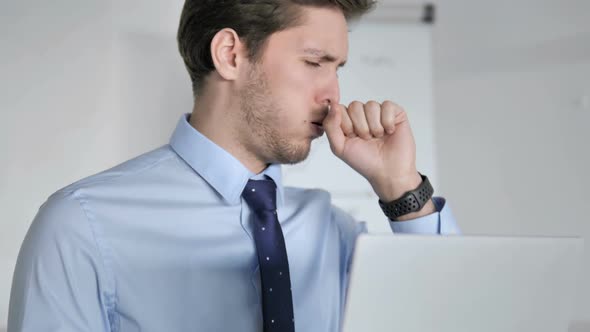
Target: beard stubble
<point>262,116</point>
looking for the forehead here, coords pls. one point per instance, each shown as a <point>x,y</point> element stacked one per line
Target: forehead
<point>323,30</point>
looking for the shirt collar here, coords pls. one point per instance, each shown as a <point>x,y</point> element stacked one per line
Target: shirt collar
<point>227,175</point>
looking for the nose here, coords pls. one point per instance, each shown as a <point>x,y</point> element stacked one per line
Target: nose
<point>330,92</point>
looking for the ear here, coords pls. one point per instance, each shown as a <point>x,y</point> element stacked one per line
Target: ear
<point>228,53</point>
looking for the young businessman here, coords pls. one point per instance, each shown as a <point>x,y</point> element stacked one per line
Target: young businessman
<point>200,234</point>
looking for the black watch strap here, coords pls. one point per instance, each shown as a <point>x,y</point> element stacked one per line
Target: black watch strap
<point>412,201</point>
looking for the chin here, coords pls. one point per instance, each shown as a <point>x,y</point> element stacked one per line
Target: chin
<point>292,154</point>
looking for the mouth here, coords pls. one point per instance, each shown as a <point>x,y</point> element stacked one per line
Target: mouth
<point>318,128</point>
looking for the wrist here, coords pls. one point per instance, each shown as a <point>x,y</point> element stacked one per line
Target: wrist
<point>394,188</point>
<point>428,208</point>
<point>413,203</point>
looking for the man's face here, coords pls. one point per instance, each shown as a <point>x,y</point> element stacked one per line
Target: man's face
<point>286,95</point>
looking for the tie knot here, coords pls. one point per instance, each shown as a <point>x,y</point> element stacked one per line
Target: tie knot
<point>261,195</point>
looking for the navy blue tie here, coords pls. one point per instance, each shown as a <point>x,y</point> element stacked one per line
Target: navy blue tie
<point>277,302</point>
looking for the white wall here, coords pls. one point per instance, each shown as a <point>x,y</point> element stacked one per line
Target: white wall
<point>512,93</point>
<point>76,98</point>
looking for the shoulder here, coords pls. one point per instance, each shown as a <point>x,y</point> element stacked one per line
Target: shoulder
<point>59,237</point>
<point>59,267</point>
<point>152,176</point>
<point>130,170</point>
<point>63,217</point>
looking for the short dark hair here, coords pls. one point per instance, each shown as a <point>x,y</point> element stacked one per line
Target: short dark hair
<point>253,20</point>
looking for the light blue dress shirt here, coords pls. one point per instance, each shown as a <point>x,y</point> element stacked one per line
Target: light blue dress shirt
<point>163,242</point>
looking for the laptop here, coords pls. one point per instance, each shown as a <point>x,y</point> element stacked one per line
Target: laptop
<point>411,283</point>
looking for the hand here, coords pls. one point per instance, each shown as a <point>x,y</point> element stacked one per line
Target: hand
<point>375,140</point>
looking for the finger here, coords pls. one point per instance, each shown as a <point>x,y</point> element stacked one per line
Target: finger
<point>401,117</point>
<point>332,126</point>
<point>373,115</point>
<point>388,116</point>
<point>346,123</point>
<point>356,112</point>
<point>400,113</point>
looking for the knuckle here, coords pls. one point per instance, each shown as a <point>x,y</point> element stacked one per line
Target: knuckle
<point>355,111</point>
<point>373,108</point>
<point>389,103</point>
<point>355,104</point>
<point>393,105</point>
<point>373,104</point>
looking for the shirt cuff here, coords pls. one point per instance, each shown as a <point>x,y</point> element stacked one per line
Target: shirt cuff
<point>440,222</point>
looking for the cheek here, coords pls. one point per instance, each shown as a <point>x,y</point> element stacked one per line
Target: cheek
<point>292,91</point>
<point>294,95</point>
<point>294,81</point>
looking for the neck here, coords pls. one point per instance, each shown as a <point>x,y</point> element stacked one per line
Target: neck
<point>216,115</point>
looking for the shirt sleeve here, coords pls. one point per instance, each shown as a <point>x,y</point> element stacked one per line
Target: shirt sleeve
<point>440,222</point>
<point>58,280</point>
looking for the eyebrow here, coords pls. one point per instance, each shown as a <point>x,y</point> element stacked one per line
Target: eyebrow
<point>323,56</point>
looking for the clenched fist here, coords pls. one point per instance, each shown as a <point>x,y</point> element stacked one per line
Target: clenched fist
<point>375,140</point>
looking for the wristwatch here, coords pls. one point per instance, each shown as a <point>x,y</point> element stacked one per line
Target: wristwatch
<point>411,201</point>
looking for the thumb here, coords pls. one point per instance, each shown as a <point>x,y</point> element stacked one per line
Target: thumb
<point>332,125</point>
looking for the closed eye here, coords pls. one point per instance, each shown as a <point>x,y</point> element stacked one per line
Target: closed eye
<point>313,64</point>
